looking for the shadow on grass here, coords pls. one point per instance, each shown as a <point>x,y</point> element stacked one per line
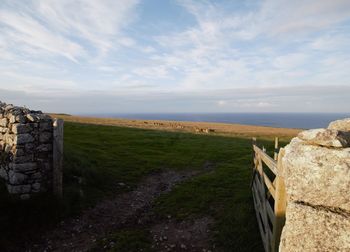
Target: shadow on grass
<point>102,161</point>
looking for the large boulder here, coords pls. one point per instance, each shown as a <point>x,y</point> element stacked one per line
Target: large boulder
<point>317,175</point>
<point>310,228</point>
<point>343,125</point>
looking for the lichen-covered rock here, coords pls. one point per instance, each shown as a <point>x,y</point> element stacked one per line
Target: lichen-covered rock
<point>317,175</point>
<point>343,125</point>
<point>326,137</point>
<point>3,122</point>
<point>311,228</point>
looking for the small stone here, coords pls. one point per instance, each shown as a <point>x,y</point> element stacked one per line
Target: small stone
<point>45,126</point>
<point>8,107</point>
<point>32,117</point>
<point>24,138</point>
<point>24,158</point>
<point>36,175</point>
<point>44,147</point>
<point>17,189</point>
<point>20,119</point>
<point>23,167</point>
<point>3,122</point>
<point>12,119</point>
<point>16,178</point>
<point>20,128</point>
<point>45,137</point>
<point>36,187</point>
<point>3,173</point>
<point>18,152</point>
<point>29,147</point>
<point>44,118</point>
<point>25,196</point>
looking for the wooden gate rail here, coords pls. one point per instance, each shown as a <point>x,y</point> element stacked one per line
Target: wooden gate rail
<point>270,216</point>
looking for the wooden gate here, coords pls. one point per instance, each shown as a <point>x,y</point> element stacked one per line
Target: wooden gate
<point>269,195</point>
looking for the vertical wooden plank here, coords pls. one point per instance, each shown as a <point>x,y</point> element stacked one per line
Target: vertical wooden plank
<point>253,161</point>
<point>57,157</point>
<point>263,210</point>
<point>275,156</point>
<point>280,205</point>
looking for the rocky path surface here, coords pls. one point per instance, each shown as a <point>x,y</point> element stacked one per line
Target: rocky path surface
<point>127,209</point>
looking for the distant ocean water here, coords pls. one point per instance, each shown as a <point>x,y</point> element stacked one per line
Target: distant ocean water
<point>282,120</point>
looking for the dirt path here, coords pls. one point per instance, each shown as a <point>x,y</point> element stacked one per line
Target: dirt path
<point>80,234</point>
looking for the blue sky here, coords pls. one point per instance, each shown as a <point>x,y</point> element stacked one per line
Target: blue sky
<point>132,56</point>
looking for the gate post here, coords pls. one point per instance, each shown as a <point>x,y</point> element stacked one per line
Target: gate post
<point>280,204</point>
<point>57,157</point>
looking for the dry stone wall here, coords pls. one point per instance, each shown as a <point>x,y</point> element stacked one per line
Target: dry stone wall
<point>316,170</point>
<point>26,142</point>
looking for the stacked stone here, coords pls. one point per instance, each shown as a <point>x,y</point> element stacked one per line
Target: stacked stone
<point>316,170</point>
<point>26,150</point>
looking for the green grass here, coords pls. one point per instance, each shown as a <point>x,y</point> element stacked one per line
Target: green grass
<point>97,158</point>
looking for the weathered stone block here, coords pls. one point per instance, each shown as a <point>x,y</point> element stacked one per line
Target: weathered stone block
<point>18,189</point>
<point>4,130</point>
<point>44,118</point>
<point>3,122</point>
<point>25,196</point>
<point>23,167</point>
<point>12,119</point>
<point>24,138</point>
<point>343,125</point>
<point>36,175</point>
<point>19,128</point>
<point>44,147</point>
<point>314,229</point>
<point>29,148</point>
<point>18,152</point>
<point>32,117</point>
<point>45,137</point>
<point>3,173</point>
<point>317,175</point>
<point>326,137</point>
<point>46,126</point>
<point>16,178</point>
<point>36,186</point>
<point>23,159</point>
<point>20,119</point>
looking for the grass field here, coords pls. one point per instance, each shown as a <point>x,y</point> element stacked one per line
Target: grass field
<point>98,159</point>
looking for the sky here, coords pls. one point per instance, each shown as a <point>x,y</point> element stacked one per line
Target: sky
<point>165,56</point>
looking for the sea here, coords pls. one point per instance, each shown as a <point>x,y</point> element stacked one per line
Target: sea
<point>281,120</point>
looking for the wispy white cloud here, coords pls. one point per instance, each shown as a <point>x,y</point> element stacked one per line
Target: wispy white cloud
<point>67,28</point>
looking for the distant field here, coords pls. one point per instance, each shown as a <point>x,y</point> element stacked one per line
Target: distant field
<point>97,159</point>
<point>218,128</point>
